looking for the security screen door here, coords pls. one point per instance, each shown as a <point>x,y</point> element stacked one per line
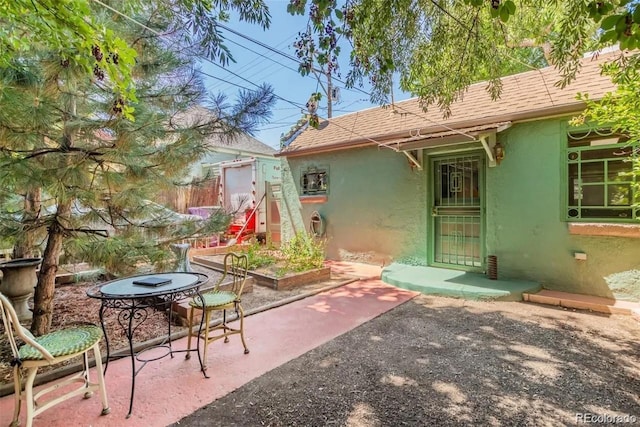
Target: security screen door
<point>457,211</point>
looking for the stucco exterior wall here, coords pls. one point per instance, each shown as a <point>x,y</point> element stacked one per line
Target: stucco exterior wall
<point>526,227</point>
<point>376,211</point>
<point>375,206</point>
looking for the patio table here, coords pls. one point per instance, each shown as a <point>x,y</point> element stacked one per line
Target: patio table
<point>133,297</point>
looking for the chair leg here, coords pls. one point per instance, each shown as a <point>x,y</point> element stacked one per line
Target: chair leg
<point>17,388</point>
<point>224,326</point>
<point>87,377</point>
<point>189,333</point>
<point>207,319</point>
<point>28,392</point>
<point>241,315</point>
<point>101,383</point>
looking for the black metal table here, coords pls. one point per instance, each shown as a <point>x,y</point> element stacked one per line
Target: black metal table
<point>132,302</point>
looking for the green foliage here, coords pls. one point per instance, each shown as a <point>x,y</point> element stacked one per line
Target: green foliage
<point>75,31</point>
<point>258,257</point>
<point>303,252</point>
<point>84,162</point>
<point>619,110</point>
<point>440,48</point>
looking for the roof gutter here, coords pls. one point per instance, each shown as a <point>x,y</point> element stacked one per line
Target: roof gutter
<point>553,111</point>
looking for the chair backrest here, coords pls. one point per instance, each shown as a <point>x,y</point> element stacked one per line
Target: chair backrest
<point>13,329</point>
<point>236,266</point>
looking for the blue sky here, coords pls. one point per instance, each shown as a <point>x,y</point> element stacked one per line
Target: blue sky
<point>256,64</point>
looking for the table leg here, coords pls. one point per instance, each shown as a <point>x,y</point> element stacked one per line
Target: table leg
<point>170,321</point>
<point>202,368</point>
<point>106,337</point>
<point>133,358</point>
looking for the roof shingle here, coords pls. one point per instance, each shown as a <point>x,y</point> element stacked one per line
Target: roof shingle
<point>529,95</point>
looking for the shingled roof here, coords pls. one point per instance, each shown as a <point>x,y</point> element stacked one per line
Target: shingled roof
<point>525,96</point>
<point>240,144</point>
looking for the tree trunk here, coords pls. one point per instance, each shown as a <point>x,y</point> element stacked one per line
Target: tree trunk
<point>45,289</point>
<point>25,246</point>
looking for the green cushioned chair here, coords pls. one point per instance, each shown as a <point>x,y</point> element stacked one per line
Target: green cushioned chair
<point>50,349</point>
<point>235,269</point>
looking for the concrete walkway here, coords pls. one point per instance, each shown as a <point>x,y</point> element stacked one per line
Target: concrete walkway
<point>169,389</point>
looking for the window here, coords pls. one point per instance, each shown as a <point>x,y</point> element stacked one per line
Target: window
<point>601,185</point>
<point>314,181</point>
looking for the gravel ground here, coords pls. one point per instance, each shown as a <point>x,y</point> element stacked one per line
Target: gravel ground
<point>440,361</point>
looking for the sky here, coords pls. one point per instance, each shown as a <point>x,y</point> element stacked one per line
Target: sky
<point>256,64</point>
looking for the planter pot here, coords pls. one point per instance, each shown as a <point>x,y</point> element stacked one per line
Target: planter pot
<point>181,251</point>
<point>19,279</point>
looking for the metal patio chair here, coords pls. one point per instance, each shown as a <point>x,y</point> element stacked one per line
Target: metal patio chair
<point>50,349</point>
<point>235,269</point>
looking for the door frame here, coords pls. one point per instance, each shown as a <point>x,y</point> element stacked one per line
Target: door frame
<point>482,189</point>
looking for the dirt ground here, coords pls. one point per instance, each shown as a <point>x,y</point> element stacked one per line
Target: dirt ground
<point>73,306</point>
<point>440,361</point>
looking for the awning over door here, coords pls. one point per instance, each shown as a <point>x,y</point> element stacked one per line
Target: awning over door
<point>484,135</point>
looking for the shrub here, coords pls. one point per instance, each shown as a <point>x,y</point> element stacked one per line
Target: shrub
<point>303,252</point>
<point>257,257</point>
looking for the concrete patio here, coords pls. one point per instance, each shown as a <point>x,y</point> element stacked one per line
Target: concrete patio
<point>171,388</point>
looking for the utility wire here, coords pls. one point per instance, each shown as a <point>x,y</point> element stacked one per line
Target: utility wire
<point>157,33</point>
<point>285,55</point>
<point>258,62</point>
<point>225,81</point>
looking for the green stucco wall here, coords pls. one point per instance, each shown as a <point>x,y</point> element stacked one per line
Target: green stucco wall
<point>526,227</point>
<point>376,211</point>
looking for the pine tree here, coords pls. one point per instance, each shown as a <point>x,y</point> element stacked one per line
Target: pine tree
<point>66,137</point>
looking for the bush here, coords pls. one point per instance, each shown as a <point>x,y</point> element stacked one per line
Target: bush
<point>257,257</point>
<point>303,252</point>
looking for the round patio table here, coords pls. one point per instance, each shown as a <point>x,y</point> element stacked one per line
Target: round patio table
<point>133,297</point>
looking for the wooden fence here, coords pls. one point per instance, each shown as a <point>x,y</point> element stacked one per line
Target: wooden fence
<point>201,193</point>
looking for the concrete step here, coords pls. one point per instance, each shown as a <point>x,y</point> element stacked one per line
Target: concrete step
<point>585,302</point>
<point>455,283</point>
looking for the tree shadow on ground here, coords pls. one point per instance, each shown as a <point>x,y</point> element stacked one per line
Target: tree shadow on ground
<point>440,361</point>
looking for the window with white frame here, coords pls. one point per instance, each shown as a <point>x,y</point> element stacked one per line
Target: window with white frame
<point>314,181</point>
<point>601,182</point>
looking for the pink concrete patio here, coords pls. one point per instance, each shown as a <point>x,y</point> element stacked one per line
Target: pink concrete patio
<point>169,389</point>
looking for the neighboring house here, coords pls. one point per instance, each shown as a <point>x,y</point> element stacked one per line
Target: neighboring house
<point>242,147</point>
<point>240,169</point>
<point>219,150</point>
<point>509,178</point>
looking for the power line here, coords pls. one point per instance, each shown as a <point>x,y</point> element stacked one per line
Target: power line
<point>223,80</point>
<point>446,12</point>
<point>285,55</point>
<point>157,33</point>
<point>252,83</point>
<point>258,62</point>
<point>259,43</point>
<point>240,77</point>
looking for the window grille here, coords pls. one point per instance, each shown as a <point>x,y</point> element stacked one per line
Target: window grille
<point>314,181</point>
<point>601,184</point>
